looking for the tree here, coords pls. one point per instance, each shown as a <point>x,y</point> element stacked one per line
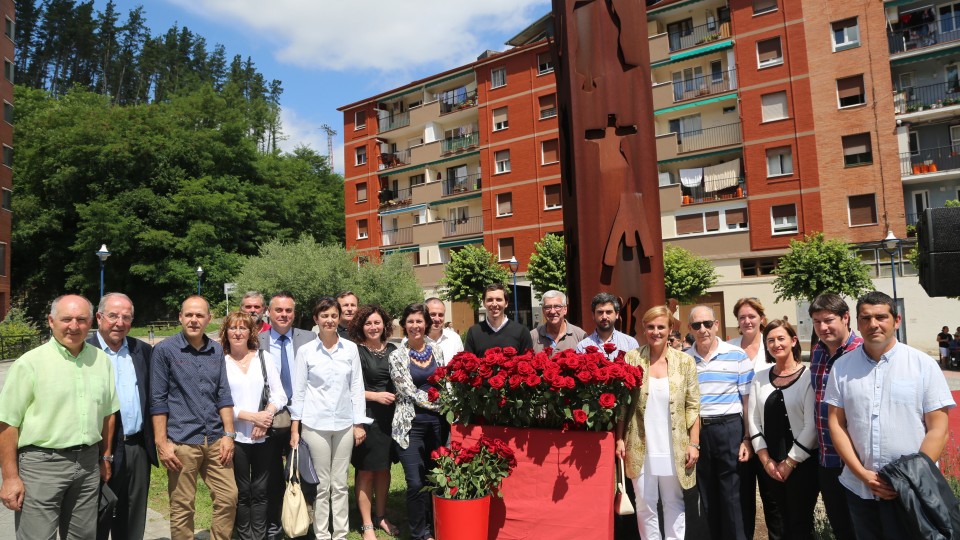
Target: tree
<point>815,266</point>
<point>469,271</point>
<point>685,275</point>
<point>548,266</point>
<point>310,270</point>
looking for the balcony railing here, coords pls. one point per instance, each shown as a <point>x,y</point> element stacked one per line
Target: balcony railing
<point>391,199</point>
<point>461,184</point>
<point>912,219</point>
<point>458,227</point>
<point>923,35</point>
<point>698,35</point>
<point>394,121</point>
<point>457,102</point>
<point>394,159</point>
<point>930,160</point>
<point>458,144</point>
<point>705,85</point>
<point>921,98</point>
<point>403,235</point>
<point>698,195</point>
<point>701,139</point>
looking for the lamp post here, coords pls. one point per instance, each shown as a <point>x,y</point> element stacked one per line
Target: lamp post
<point>514,266</point>
<point>891,244</point>
<point>199,277</point>
<point>102,254</point>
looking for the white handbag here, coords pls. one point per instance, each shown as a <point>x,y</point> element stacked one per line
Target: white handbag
<point>621,501</point>
<point>295,516</point>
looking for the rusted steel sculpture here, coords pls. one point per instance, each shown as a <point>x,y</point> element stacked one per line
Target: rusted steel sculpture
<point>611,204</point>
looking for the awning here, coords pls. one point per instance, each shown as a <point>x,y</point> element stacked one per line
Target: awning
<point>697,103</point>
<point>950,50</point>
<point>438,202</point>
<point>698,156</point>
<point>425,165</point>
<point>431,84</point>
<point>693,53</point>
<point>896,3</point>
<point>458,243</point>
<point>657,10</point>
<point>410,249</point>
<point>403,209</point>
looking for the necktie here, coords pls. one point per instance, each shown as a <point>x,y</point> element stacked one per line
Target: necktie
<point>285,378</point>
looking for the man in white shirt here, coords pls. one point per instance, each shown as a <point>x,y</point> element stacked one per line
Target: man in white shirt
<point>606,313</point>
<point>448,340</point>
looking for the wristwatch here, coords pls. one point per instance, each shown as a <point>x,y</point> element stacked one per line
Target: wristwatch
<point>108,459</point>
<point>697,446</point>
<point>231,434</point>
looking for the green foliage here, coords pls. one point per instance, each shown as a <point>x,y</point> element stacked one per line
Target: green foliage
<point>311,270</point>
<point>548,266</point>
<point>469,472</point>
<point>685,275</point>
<point>16,323</point>
<point>815,266</point>
<point>468,272</point>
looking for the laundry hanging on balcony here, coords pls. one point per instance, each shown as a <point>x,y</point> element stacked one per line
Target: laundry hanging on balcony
<point>691,178</point>
<point>721,176</point>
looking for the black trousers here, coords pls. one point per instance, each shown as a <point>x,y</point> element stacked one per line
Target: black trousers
<point>251,468</point>
<point>131,484</point>
<point>718,480</point>
<point>835,501</point>
<point>795,500</point>
<point>425,437</point>
<point>875,520</point>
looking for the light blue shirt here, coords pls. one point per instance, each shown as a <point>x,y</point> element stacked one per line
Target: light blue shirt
<point>623,342</point>
<point>884,403</point>
<point>131,412</point>
<point>275,350</point>
<point>724,379</point>
<point>328,387</point>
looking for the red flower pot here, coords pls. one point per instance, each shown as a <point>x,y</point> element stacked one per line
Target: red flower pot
<point>461,519</point>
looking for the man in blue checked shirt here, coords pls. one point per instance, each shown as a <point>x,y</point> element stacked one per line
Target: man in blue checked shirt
<point>725,373</point>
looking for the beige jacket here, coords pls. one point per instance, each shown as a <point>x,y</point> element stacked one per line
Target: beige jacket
<point>684,411</point>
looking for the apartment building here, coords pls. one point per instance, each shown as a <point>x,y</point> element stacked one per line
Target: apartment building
<point>6,140</point>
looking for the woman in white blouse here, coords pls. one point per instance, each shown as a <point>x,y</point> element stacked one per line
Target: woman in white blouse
<point>248,371</point>
<point>783,432</point>
<point>328,400</point>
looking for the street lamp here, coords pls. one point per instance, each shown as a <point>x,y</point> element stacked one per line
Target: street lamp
<point>891,244</point>
<point>199,277</point>
<point>514,266</point>
<point>102,254</point>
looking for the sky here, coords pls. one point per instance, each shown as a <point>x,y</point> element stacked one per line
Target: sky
<point>329,53</point>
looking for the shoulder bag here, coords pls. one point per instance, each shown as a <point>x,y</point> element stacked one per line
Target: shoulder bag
<point>281,420</point>
<point>621,501</point>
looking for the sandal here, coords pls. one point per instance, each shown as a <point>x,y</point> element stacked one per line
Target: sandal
<point>369,527</point>
<point>390,529</point>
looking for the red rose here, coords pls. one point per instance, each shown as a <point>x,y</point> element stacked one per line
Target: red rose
<point>591,349</point>
<point>485,371</point>
<point>533,380</point>
<point>453,491</point>
<point>456,446</point>
<point>433,379</point>
<point>585,376</point>
<point>503,401</point>
<point>579,416</point>
<point>515,381</point>
<point>569,383</point>
<point>497,381</point>
<point>509,351</point>
<point>433,394</point>
<point>609,348</point>
<point>525,369</point>
<point>476,382</point>
<point>607,400</point>
<point>629,381</point>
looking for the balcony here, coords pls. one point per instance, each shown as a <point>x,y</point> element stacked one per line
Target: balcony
<point>393,121</point>
<point>396,237</point>
<point>697,195</point>
<point>393,199</point>
<point>461,143</point>
<point>933,102</point>
<point>666,94</point>
<point>461,227</point>
<point>461,184</point>
<point>930,164</point>
<point>924,35</point>
<point>698,35</point>
<point>671,145</point>
<point>388,160</point>
<point>457,101</point>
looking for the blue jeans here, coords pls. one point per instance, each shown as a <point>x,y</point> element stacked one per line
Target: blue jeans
<point>426,435</point>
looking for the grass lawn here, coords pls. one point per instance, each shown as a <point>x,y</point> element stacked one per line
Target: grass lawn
<point>396,506</point>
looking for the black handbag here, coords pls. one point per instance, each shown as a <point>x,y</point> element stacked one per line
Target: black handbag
<point>281,420</point>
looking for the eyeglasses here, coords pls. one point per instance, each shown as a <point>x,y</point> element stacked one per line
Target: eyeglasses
<point>697,325</point>
<point>113,317</point>
<point>552,308</point>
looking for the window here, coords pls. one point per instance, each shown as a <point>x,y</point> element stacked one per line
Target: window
<point>548,106</point>
<point>3,259</point>
<point>361,229</point>
<point>914,143</point>
<point>502,159</point>
<point>774,106</point>
<point>505,204</point>
<point>712,221</point>
<point>498,77</point>
<point>949,17</point>
<point>361,191</point>
<point>862,209</point>
<point>505,249</point>
<point>550,151</point>
<point>758,267</point>
<point>544,63</point>
<point>736,218</point>
<point>8,70</point>
<point>857,150</point>
<point>7,156</point>
<point>500,119</point>
<point>764,6</point>
<point>416,258</point>
<point>417,179</point>
<point>689,224</point>
<point>359,119</point>
<point>730,109</point>
<point>7,203</point>
<point>779,161</point>
<point>8,28</point>
<point>850,91</point>
<point>7,112</point>
<point>551,197</point>
<point>846,34</point>
<point>784,218</point>
<point>769,52</point>
<point>361,153</point>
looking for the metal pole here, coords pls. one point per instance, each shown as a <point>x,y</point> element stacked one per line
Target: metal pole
<point>101,278</point>
<point>893,275</point>
<point>199,277</point>
<point>516,301</point>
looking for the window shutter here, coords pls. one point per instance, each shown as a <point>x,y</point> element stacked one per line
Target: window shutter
<point>856,144</point>
<point>551,152</point>
<point>551,195</point>
<point>863,209</point>
<point>784,211</point>
<point>774,106</point>
<point>850,87</point>
<point>737,216</point>
<point>768,50</point>
<point>690,224</point>
<point>362,191</point>
<point>499,115</point>
<point>713,221</point>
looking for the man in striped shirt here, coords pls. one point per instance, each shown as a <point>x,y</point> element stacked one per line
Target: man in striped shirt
<point>725,373</point>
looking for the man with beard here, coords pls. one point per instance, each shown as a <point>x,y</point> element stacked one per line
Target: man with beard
<point>556,332</point>
<point>497,330</point>
<point>606,312</point>
<point>253,304</point>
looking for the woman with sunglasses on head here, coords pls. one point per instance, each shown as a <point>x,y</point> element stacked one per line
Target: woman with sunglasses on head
<point>784,433</point>
<point>370,328</point>
<point>659,439</point>
<point>249,370</point>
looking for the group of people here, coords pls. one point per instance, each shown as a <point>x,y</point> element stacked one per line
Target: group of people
<point>949,346</point>
<point>724,417</point>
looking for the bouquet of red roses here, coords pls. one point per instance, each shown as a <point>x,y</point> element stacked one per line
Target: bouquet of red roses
<point>570,390</point>
<point>462,472</point>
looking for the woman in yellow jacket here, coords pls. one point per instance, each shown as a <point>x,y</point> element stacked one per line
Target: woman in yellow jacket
<point>659,436</point>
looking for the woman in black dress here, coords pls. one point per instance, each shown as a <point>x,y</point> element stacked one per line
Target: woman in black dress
<point>370,329</point>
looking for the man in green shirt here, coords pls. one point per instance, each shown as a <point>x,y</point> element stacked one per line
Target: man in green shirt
<point>56,409</point>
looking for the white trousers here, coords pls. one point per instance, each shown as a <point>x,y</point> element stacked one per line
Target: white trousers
<point>331,451</point>
<point>648,489</point>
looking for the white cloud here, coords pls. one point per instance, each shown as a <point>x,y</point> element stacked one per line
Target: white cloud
<point>385,35</point>
<point>298,131</point>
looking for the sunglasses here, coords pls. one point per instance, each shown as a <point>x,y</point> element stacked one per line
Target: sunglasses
<point>697,325</point>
